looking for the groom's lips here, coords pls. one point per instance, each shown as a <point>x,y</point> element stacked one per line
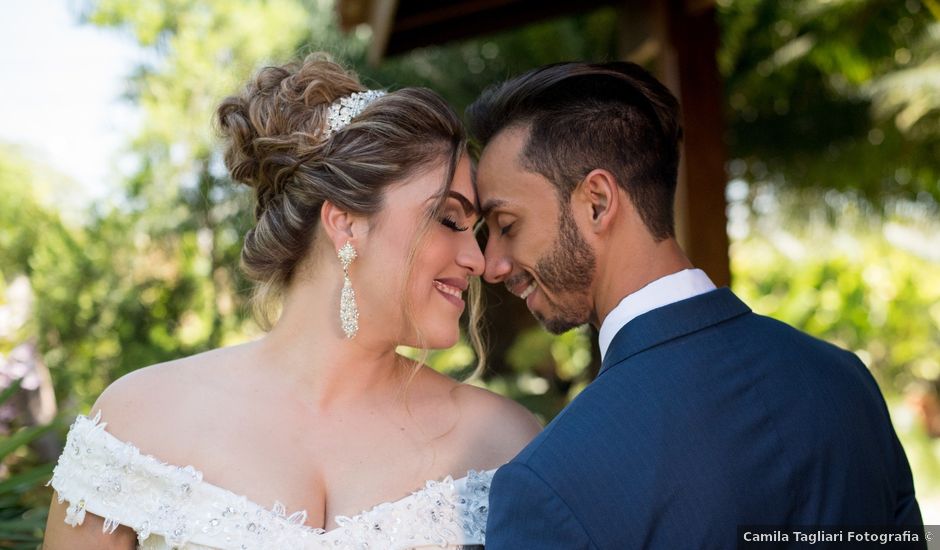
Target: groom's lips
<point>521,286</point>
<point>529,290</point>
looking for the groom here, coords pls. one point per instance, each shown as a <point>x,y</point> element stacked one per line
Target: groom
<point>705,417</point>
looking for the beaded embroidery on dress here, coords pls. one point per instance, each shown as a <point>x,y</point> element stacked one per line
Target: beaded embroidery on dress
<point>173,508</point>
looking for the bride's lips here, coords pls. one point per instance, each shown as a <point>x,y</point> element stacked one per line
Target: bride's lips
<point>452,290</point>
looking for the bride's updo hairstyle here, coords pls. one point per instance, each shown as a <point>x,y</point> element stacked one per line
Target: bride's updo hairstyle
<point>279,143</point>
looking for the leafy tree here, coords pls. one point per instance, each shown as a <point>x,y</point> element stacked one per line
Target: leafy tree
<point>834,95</point>
<point>25,222</point>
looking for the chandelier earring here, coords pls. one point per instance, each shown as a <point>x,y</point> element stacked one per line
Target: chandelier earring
<point>348,310</point>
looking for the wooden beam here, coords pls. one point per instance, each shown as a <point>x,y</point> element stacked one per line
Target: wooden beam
<point>417,26</point>
<point>447,13</point>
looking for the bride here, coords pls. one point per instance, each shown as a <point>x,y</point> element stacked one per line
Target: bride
<point>317,435</point>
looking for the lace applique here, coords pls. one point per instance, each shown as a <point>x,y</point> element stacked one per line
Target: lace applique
<point>100,474</point>
<point>444,513</point>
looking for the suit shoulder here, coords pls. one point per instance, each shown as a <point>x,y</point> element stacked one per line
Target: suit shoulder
<point>785,340</point>
<point>572,434</point>
<point>791,335</point>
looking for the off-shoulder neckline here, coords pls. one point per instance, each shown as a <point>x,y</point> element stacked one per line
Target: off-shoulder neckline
<point>278,510</point>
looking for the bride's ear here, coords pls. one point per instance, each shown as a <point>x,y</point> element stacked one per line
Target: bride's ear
<point>341,225</point>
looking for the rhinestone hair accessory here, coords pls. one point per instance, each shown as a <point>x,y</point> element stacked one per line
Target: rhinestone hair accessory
<point>346,108</point>
<point>348,310</point>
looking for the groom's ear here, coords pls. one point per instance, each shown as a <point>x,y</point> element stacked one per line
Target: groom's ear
<point>341,225</point>
<point>599,196</point>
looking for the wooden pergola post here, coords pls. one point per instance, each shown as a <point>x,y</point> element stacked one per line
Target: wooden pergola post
<point>687,34</point>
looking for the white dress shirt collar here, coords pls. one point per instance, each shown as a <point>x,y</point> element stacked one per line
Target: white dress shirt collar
<point>661,292</point>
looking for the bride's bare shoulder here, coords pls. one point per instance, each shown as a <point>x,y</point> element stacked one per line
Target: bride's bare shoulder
<point>152,406</point>
<point>491,428</point>
<point>497,420</point>
<point>163,384</point>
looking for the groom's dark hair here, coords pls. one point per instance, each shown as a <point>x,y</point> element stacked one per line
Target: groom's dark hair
<point>584,116</point>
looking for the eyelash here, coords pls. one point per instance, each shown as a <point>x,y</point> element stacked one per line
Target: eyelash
<point>452,224</point>
<point>505,229</point>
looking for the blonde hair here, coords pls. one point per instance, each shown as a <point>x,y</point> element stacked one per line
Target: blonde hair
<point>277,143</point>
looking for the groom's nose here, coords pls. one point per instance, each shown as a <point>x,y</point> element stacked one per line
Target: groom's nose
<point>498,263</point>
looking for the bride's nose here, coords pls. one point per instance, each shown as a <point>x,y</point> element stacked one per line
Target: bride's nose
<point>470,256</point>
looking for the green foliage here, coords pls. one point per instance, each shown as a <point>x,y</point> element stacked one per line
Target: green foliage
<point>547,371</point>
<point>23,495</point>
<point>839,94</point>
<point>25,223</point>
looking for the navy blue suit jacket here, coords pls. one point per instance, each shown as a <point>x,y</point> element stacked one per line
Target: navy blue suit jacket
<point>706,416</point>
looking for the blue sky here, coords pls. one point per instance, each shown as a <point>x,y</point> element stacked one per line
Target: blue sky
<point>60,88</point>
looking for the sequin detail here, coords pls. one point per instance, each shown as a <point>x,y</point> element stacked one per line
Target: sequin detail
<point>172,507</point>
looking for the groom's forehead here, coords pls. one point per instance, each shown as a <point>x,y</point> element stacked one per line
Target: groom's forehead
<point>515,192</point>
<point>504,182</point>
<point>504,150</point>
<point>500,168</point>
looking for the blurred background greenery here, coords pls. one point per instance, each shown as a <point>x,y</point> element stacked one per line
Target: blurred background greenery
<point>833,128</point>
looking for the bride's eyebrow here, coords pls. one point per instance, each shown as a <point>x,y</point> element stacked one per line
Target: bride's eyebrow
<point>469,209</point>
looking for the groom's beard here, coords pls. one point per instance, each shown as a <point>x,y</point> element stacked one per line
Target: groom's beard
<point>567,272</point>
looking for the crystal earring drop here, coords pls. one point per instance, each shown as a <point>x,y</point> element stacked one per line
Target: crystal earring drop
<point>348,311</point>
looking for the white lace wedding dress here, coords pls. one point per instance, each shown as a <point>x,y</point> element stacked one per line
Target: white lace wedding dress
<point>173,508</point>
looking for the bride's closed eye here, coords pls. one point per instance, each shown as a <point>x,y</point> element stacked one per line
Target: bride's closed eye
<point>449,222</point>
<point>458,210</point>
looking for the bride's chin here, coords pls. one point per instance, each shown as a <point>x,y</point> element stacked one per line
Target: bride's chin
<point>437,341</point>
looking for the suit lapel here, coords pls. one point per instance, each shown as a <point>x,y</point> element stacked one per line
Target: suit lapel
<point>671,322</point>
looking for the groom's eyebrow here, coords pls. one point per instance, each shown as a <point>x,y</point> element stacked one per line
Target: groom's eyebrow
<point>489,205</point>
